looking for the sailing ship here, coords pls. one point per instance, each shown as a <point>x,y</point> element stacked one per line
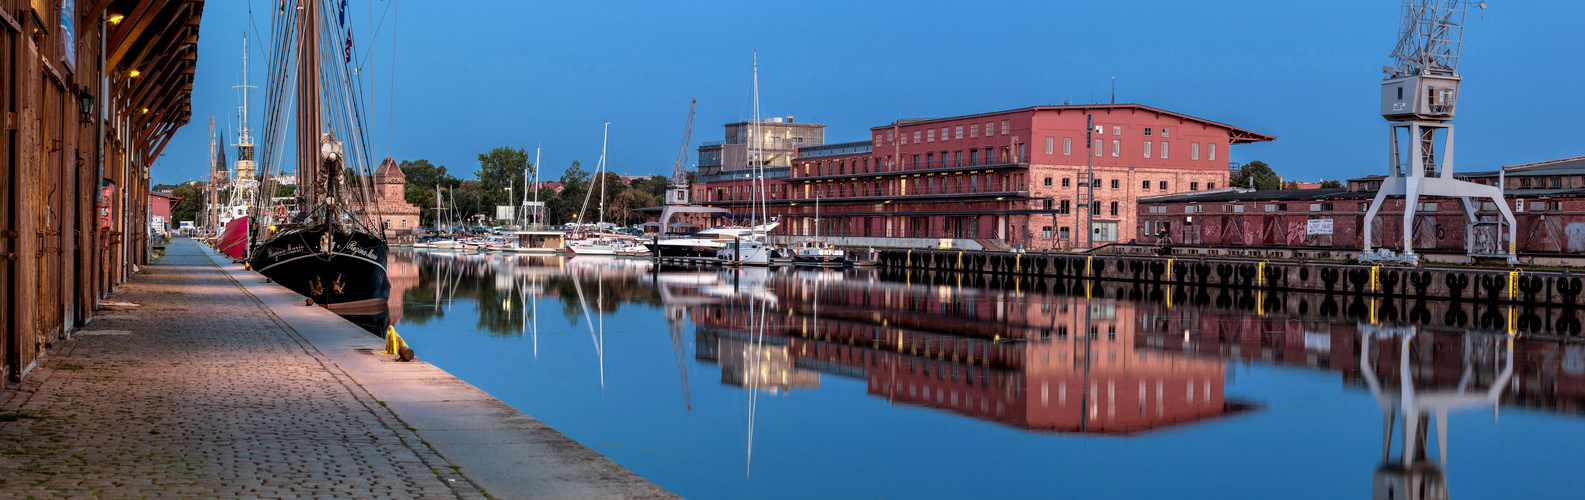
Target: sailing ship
<point>242,190</point>
<point>332,249</point>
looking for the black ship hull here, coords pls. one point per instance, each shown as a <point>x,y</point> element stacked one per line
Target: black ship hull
<point>349,280</point>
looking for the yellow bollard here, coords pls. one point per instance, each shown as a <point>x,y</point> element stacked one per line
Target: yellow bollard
<point>1169,270</point>
<point>910,259</point>
<point>1087,263</point>
<point>1513,283</point>
<point>395,345</point>
<point>1260,274</point>
<point>1018,261</point>
<point>960,259</point>
<point>1375,271</point>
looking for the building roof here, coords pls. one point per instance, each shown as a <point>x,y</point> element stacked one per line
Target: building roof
<point>389,168</point>
<point>1239,136</point>
<point>1237,195</point>
<point>835,149</point>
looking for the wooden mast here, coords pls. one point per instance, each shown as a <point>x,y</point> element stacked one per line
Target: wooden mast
<point>308,119</point>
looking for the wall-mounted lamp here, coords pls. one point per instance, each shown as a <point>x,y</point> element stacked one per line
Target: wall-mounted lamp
<point>85,107</point>
<point>116,19</point>
<point>134,73</point>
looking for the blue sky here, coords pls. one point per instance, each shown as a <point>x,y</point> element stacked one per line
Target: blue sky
<point>471,76</point>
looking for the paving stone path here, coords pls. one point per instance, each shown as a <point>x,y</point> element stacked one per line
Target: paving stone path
<point>186,386</point>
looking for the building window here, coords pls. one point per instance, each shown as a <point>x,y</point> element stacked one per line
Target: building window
<point>1048,182</point>
<point>1146,186</point>
<point>889,135</point>
<point>1114,183</point>
<point>1524,182</point>
<point>1163,150</point>
<point>1194,151</point>
<point>1557,182</point>
<point>1213,152</point>
<point>1163,131</point>
<point>943,133</point>
<point>1117,130</point>
<point>1235,208</point>
<point>404,223</point>
<point>930,135</point>
<point>917,136</point>
<point>1147,149</point>
<point>974,130</point>
<point>1095,183</point>
<point>1210,186</point>
<point>1064,182</point>
<point>1007,127</point>
<point>1045,232</point>
<point>1098,146</point>
<point>1051,145</point>
<point>1147,131</point>
<point>1095,207</point>
<point>1194,186</point>
<point>1062,232</point>
<point>1064,206</point>
<point>1117,147</point>
<point>957,132</point>
<point>990,129</point>
<point>1067,146</point>
<point>1163,185</point>
<point>1114,208</point>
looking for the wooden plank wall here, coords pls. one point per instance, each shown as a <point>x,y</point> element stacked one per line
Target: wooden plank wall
<point>56,261</point>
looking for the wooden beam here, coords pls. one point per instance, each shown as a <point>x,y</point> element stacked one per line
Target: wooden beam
<point>131,28</point>
<point>160,45</point>
<point>91,12</point>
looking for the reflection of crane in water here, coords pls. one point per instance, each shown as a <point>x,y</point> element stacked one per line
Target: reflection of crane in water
<point>1413,475</point>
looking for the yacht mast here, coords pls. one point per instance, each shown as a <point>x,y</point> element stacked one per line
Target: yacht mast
<point>599,176</point>
<point>538,219</point>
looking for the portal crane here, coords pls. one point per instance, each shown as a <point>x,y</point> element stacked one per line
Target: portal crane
<point>677,191</point>
<point>1418,98</point>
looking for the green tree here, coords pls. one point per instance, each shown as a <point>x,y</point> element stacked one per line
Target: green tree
<point>422,178</point>
<point>574,183</point>
<point>1331,184</point>
<point>500,169</point>
<point>192,196</point>
<point>1259,174</point>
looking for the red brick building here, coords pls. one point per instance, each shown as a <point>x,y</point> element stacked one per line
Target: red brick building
<point>1547,198</point>
<point>390,201</point>
<point>992,180</point>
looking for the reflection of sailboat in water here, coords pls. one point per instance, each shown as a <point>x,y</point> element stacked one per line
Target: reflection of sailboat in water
<point>1412,475</point>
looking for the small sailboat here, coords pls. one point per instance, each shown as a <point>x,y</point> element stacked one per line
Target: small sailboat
<point>817,252</point>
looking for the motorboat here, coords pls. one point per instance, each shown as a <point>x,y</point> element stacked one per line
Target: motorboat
<point>813,252</point>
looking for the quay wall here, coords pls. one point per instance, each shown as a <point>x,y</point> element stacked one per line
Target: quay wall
<point>1459,284</point>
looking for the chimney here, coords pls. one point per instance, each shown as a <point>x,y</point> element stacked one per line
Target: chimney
<point>789,119</point>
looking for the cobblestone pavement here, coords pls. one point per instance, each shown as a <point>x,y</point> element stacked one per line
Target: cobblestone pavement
<point>186,386</point>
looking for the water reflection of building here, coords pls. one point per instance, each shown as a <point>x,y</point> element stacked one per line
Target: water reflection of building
<point>403,273</point>
<point>1549,371</point>
<point>765,364</point>
<point>1031,361</point>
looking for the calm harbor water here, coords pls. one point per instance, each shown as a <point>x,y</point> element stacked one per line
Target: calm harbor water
<point>797,383</point>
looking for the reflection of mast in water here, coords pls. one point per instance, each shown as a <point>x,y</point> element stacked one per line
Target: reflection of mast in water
<point>757,340</point>
<point>1414,475</point>
<point>599,339</point>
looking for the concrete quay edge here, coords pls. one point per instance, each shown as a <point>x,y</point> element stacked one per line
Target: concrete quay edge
<point>502,450</point>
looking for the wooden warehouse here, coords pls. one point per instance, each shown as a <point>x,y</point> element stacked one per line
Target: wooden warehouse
<point>93,90</point>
